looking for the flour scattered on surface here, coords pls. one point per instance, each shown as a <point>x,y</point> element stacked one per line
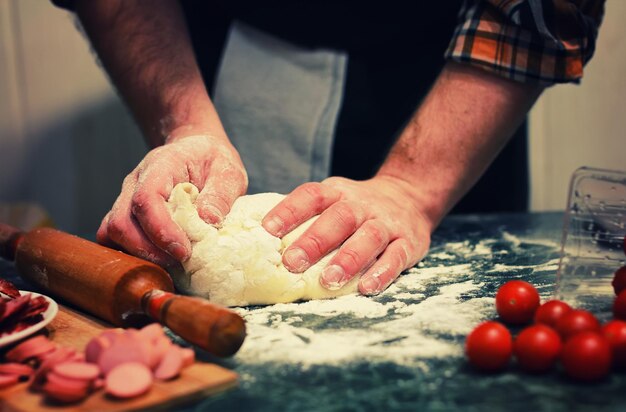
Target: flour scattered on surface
<point>514,240</point>
<point>351,304</point>
<point>441,256</point>
<point>424,315</point>
<point>551,266</point>
<point>381,329</point>
<point>517,242</point>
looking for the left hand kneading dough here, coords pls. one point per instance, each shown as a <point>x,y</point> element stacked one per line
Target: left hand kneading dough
<point>239,263</point>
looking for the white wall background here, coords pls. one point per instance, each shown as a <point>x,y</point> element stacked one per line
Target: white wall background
<point>66,141</point>
<point>582,125</point>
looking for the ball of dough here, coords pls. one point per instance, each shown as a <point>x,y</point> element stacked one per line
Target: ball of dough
<point>239,263</point>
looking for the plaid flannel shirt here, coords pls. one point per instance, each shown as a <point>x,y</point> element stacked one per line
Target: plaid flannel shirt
<point>546,41</point>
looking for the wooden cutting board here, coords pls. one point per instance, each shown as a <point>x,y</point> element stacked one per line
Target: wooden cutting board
<point>73,329</point>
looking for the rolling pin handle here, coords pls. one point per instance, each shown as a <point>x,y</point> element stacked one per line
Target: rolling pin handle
<point>211,327</point>
<point>10,238</point>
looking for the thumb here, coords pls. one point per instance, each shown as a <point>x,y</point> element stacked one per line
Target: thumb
<point>219,193</point>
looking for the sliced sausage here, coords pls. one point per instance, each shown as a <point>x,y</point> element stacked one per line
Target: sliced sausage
<point>77,370</point>
<point>31,348</point>
<point>64,393</point>
<point>94,348</point>
<point>159,348</point>
<point>112,334</point>
<point>171,364</point>
<point>8,380</point>
<point>76,384</point>
<point>124,350</point>
<point>152,331</point>
<point>60,355</point>
<point>188,355</point>
<point>97,384</point>
<point>14,368</point>
<point>128,380</point>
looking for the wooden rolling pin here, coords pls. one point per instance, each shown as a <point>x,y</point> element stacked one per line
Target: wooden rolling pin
<point>114,286</point>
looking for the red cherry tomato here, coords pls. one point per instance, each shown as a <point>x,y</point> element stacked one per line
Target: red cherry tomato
<point>550,312</point>
<point>619,280</point>
<point>516,302</point>
<point>615,333</point>
<point>489,346</point>
<point>619,306</point>
<point>577,321</point>
<point>586,356</point>
<point>537,348</point>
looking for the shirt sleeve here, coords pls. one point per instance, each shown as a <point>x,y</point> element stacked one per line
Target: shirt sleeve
<point>546,41</point>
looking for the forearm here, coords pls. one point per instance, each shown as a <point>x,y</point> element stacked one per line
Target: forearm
<point>463,123</point>
<point>145,48</point>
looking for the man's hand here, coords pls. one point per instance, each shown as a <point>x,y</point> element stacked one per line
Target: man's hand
<point>146,50</point>
<point>383,225</point>
<point>376,224</point>
<point>139,221</point>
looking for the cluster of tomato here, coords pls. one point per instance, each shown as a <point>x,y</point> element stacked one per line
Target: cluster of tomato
<point>586,349</point>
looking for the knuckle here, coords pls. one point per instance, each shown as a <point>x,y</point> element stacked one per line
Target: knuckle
<point>129,180</point>
<point>241,180</point>
<point>413,256</point>
<point>334,180</point>
<point>313,245</point>
<point>345,215</point>
<point>102,235</point>
<point>140,202</point>
<point>216,201</point>
<point>338,186</point>
<point>233,172</point>
<point>400,263</point>
<point>314,193</point>
<point>116,228</point>
<point>313,189</point>
<point>157,151</point>
<point>402,254</point>
<point>376,232</point>
<point>351,258</point>
<point>289,212</point>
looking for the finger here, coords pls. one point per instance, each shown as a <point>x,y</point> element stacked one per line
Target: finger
<point>133,240</point>
<point>334,225</point>
<point>121,230</point>
<point>223,186</point>
<point>306,201</point>
<point>355,255</point>
<point>102,236</point>
<point>148,205</point>
<point>388,267</point>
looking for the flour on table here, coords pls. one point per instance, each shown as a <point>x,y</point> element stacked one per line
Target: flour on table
<point>425,315</point>
<point>239,263</point>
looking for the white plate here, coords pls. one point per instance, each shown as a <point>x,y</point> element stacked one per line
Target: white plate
<point>48,315</point>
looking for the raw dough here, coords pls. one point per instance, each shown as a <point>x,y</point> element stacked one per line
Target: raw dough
<point>239,263</point>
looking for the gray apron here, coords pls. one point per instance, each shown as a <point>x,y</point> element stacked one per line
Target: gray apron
<point>279,105</point>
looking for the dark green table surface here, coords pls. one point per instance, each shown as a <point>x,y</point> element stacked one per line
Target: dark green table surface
<point>403,349</point>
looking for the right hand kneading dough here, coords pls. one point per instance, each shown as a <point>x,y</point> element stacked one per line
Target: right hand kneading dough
<point>239,263</point>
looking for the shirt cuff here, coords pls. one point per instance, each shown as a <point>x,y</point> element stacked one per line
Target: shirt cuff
<point>490,39</point>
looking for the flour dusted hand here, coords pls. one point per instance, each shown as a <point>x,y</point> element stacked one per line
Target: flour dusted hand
<point>239,263</point>
<point>139,221</point>
<point>376,224</point>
